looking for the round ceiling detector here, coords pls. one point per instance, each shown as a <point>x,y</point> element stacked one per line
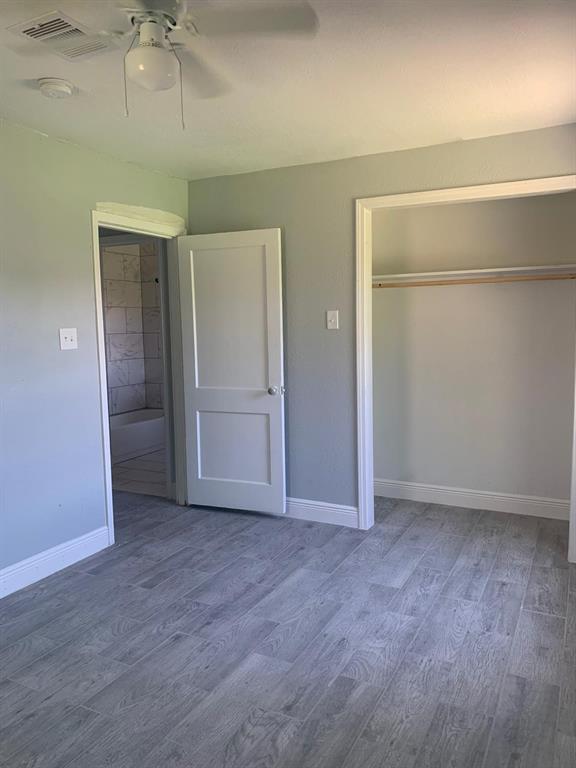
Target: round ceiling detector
<point>55,88</point>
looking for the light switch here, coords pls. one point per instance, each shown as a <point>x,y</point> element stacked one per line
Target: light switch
<point>332,320</point>
<point>68,338</point>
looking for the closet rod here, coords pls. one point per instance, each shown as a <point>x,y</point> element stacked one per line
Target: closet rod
<point>473,280</point>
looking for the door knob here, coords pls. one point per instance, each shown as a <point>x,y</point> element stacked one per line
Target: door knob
<point>272,390</point>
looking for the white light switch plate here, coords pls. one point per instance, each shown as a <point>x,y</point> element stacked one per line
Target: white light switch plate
<point>332,320</point>
<point>68,338</point>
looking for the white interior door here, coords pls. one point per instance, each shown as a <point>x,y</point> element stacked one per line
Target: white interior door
<point>231,315</point>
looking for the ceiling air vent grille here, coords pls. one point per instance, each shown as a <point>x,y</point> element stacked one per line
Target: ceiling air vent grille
<point>63,36</point>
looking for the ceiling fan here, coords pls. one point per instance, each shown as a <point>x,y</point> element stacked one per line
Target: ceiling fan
<point>162,51</point>
<point>154,61</point>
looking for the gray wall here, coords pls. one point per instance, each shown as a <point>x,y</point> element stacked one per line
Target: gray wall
<point>52,475</point>
<point>494,233</point>
<point>314,206</point>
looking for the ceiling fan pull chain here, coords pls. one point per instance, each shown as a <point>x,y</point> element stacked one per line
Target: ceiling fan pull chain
<point>181,85</point>
<point>126,113</point>
<point>181,97</point>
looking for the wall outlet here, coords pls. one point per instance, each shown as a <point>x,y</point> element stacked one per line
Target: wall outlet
<point>332,320</point>
<point>68,338</point>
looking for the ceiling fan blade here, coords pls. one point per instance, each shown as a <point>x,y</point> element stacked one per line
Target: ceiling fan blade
<point>117,34</point>
<point>201,76</point>
<point>173,8</point>
<point>294,18</point>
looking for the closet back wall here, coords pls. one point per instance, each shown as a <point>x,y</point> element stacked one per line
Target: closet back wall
<point>474,384</point>
<point>520,232</point>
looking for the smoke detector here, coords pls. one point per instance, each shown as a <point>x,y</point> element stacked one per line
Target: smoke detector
<point>55,88</point>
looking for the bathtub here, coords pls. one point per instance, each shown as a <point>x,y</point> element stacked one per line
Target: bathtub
<point>135,433</point>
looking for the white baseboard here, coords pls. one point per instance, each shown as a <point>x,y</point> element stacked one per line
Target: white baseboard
<point>37,567</point>
<point>559,509</point>
<point>322,512</point>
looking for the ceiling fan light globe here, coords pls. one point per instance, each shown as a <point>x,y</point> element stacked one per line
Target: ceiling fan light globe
<point>152,68</point>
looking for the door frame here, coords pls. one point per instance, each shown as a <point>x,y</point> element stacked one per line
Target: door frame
<point>167,227</point>
<point>364,209</point>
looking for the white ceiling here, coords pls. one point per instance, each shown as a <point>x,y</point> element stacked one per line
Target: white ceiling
<point>379,76</point>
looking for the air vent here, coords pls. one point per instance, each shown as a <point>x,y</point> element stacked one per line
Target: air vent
<point>63,36</point>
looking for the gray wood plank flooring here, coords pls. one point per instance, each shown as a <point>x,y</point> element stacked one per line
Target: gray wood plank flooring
<point>442,637</point>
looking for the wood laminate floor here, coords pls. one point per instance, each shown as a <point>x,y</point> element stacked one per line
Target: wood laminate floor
<point>144,474</point>
<point>441,638</point>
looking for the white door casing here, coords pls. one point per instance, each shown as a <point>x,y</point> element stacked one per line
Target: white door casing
<point>143,221</point>
<point>230,288</point>
<point>364,211</point>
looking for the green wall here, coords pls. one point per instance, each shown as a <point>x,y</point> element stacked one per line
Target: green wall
<point>314,206</point>
<point>52,480</point>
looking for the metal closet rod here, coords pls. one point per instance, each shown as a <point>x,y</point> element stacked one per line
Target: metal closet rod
<point>476,277</point>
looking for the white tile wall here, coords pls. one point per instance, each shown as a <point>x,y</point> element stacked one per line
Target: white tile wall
<point>121,293</point>
<point>123,372</point>
<point>115,320</point>
<point>133,320</point>
<point>133,325</point>
<point>136,370</point>
<point>132,267</point>
<point>151,319</point>
<point>125,345</point>
<point>112,266</point>
<point>151,345</point>
<point>131,249</point>
<point>131,398</point>
<point>154,370</point>
<point>154,397</point>
<point>148,265</point>
<point>150,295</point>
<point>118,373</point>
<point>152,326</point>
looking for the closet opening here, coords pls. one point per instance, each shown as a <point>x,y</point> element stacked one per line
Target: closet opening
<point>468,328</point>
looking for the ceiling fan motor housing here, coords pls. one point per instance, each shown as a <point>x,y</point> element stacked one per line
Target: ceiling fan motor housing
<point>151,33</point>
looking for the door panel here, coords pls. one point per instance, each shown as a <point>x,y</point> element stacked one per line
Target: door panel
<point>234,446</point>
<point>230,332</point>
<point>231,313</point>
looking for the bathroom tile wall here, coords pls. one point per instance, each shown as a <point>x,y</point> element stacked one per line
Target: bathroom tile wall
<point>132,325</point>
<point>122,297</point>
<point>151,325</point>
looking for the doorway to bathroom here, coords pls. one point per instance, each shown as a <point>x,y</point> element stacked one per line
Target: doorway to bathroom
<point>133,279</point>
